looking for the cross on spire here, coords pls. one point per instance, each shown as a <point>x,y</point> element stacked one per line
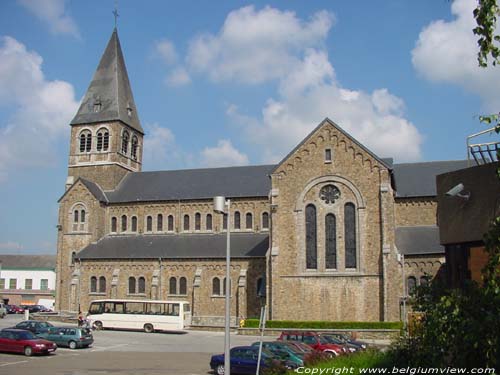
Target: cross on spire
<point>115,13</point>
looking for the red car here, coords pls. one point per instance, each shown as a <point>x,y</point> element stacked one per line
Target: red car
<point>21,341</point>
<point>314,340</point>
<point>13,309</point>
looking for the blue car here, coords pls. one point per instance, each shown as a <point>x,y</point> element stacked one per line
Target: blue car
<point>244,361</point>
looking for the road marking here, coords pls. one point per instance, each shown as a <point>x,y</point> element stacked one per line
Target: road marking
<point>108,347</point>
<point>12,363</point>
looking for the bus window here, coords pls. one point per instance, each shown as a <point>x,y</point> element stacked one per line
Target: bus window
<point>96,308</point>
<point>119,308</point>
<point>173,309</point>
<point>134,308</point>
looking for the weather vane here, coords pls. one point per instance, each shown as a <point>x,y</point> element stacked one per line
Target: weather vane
<point>115,12</point>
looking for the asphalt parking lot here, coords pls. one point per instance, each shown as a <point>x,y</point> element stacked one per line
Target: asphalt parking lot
<point>124,352</point>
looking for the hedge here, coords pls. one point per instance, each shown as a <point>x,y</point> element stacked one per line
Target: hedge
<point>254,323</point>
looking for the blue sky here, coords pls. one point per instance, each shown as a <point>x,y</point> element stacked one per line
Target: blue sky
<point>232,83</point>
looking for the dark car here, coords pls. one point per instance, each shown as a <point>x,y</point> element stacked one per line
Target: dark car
<point>14,309</point>
<point>71,337</point>
<point>361,345</point>
<point>34,326</point>
<point>314,340</point>
<point>283,350</point>
<point>21,341</point>
<point>244,361</point>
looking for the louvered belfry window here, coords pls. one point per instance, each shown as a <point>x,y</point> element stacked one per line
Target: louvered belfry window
<point>311,245</point>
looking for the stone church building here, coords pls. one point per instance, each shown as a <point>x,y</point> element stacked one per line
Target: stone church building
<point>317,236</point>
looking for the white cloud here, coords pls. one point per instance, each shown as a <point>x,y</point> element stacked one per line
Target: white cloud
<point>54,14</point>
<point>166,50</point>
<point>40,109</point>
<point>447,52</point>
<point>178,77</point>
<point>224,154</point>
<point>255,46</point>
<point>10,245</point>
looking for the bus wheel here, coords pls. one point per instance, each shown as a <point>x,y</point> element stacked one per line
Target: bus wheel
<point>148,328</point>
<point>97,325</point>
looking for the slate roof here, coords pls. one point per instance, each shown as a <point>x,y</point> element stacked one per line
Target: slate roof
<point>419,179</point>
<point>418,240</point>
<point>231,182</point>
<point>95,189</point>
<point>27,262</point>
<point>243,245</point>
<point>111,87</point>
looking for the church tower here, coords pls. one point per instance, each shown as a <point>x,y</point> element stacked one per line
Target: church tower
<point>106,134</point>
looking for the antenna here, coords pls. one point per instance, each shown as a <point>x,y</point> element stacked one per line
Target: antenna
<point>115,13</point>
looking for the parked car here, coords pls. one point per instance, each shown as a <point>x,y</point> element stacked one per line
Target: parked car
<point>3,310</point>
<point>283,351</point>
<point>314,340</point>
<point>348,339</point>
<point>244,361</point>
<point>35,308</point>
<point>348,347</point>
<point>34,326</point>
<point>69,336</point>
<point>14,309</point>
<point>21,341</point>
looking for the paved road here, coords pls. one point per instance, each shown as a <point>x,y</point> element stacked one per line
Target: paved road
<point>123,352</point>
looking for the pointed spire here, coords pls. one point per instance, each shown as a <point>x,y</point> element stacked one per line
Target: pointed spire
<point>109,96</point>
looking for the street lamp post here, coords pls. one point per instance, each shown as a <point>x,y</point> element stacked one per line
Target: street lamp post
<point>223,206</point>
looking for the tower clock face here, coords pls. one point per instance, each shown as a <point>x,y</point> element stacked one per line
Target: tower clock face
<point>329,194</point>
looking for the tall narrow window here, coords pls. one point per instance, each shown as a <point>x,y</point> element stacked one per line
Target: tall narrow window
<point>131,285</point>
<point>261,287</point>
<point>328,155</point>
<point>102,284</point>
<point>134,223</point>
<point>172,286</point>
<point>83,138</point>
<point>141,285</point>
<point>88,143</point>
<point>237,220</point>
<point>13,284</point>
<point>93,284</point>
<point>102,140</point>
<point>105,141</point>
<point>125,139</point>
<point>124,223</point>
<point>186,222</point>
<point>248,221</point>
<point>82,216</point>
<point>44,284</point>
<point>133,150</point>
<point>75,217</point>
<point>208,223</point>
<point>149,224</point>
<point>170,223</point>
<point>183,286</point>
<point>73,257</point>
<point>224,287</point>
<point>412,284</point>
<point>159,223</point>
<point>311,248</point>
<point>197,221</point>
<point>216,286</point>
<point>99,140</point>
<point>85,141</point>
<point>28,284</point>
<point>350,235</point>
<point>265,220</point>
<point>113,224</point>
<point>424,280</point>
<point>330,242</point>
<point>224,221</point>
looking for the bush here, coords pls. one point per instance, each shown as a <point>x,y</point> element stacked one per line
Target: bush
<point>290,324</point>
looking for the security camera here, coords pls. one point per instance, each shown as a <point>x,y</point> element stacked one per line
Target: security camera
<point>457,190</point>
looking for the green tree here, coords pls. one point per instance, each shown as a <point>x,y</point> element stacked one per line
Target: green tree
<point>486,15</point>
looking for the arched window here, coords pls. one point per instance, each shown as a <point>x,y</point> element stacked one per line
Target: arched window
<point>248,220</point>
<point>208,223</point>
<point>133,150</point>
<point>134,223</point>
<point>73,257</point>
<point>105,141</point>
<point>186,222</point>
<point>261,287</point>
<point>350,235</point>
<point>197,221</point>
<point>224,287</point>
<point>311,248</point>
<point>237,220</point>
<point>183,286</point>
<point>424,280</point>
<point>149,224</point>
<point>102,284</point>
<point>265,220</point>
<point>170,223</point>
<point>141,285</point>
<point>131,285</point>
<point>159,223</point>
<point>125,139</point>
<point>85,141</point>
<point>75,217</point>
<point>102,140</point>
<point>411,284</point>
<point>172,286</point>
<point>216,286</point>
<point>82,216</point>
<point>330,242</point>
<point>124,223</point>
<point>224,221</point>
<point>79,217</point>
<point>114,224</point>
<point>93,284</point>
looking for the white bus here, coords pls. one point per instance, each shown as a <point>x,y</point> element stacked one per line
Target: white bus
<point>147,315</point>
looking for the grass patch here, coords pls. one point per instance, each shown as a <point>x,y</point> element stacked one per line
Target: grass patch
<point>254,323</point>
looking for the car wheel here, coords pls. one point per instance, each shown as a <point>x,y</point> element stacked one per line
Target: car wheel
<point>329,354</point>
<point>97,325</point>
<point>72,345</point>
<point>148,328</point>
<point>219,370</point>
<point>28,351</point>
